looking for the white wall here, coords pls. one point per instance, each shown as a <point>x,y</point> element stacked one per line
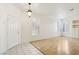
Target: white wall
<point>3,30</point>
<point>10,12</point>
<point>47,27</point>
<point>26,29</point>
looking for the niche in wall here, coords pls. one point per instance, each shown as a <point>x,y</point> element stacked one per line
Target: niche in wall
<point>75,23</point>
<point>75,26</point>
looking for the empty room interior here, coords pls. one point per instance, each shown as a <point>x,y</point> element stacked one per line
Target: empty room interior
<point>39,28</point>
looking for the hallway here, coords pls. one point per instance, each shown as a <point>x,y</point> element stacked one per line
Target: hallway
<point>49,27</point>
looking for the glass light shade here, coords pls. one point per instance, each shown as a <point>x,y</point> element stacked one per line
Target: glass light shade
<point>29,13</point>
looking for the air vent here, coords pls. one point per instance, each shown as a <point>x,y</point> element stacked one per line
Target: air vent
<point>71,9</point>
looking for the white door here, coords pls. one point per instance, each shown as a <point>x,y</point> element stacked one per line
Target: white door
<point>14,31</point>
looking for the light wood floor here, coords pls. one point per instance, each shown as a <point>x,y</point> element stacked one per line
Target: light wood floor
<point>57,46</point>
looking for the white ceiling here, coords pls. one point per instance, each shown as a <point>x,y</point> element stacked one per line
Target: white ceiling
<point>54,8</point>
<point>59,10</point>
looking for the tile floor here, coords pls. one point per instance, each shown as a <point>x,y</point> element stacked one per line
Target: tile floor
<point>23,49</point>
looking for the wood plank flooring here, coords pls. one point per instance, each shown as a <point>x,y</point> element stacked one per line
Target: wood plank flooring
<point>57,46</point>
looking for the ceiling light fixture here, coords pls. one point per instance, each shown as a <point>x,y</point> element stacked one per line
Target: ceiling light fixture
<point>29,11</point>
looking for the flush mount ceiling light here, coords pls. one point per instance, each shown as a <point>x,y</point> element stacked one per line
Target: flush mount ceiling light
<point>29,11</point>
